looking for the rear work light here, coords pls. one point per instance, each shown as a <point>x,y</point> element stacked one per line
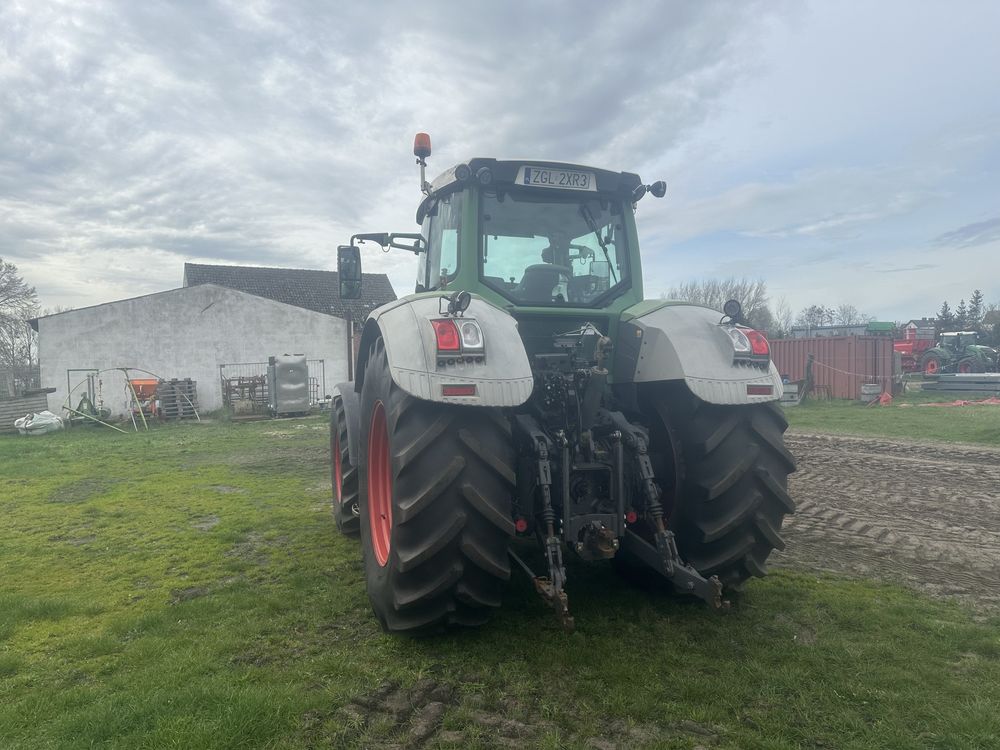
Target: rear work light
<point>472,334</point>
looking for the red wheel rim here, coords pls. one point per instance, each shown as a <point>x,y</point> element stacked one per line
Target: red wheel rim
<point>931,367</point>
<point>379,485</point>
<point>965,367</point>
<point>338,472</point>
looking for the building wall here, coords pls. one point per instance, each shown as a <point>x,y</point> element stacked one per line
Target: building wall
<point>183,333</point>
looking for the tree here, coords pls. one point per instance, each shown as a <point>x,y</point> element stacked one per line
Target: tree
<point>750,293</point>
<point>991,324</point>
<point>815,316</point>
<point>848,315</point>
<point>976,311</point>
<point>945,318</point>
<point>962,316</point>
<point>18,302</point>
<point>783,319</point>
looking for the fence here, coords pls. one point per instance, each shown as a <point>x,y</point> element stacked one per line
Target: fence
<point>842,364</point>
<point>246,383</point>
<point>15,380</point>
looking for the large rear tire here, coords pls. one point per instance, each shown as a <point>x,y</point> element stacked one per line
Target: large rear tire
<point>343,474</point>
<point>436,487</point>
<point>731,473</point>
<point>969,365</point>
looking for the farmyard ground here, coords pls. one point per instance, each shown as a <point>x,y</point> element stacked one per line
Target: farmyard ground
<point>186,588</point>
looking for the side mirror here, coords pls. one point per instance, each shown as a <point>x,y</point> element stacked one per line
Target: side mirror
<point>349,271</point>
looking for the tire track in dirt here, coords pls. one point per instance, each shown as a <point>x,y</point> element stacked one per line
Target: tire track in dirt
<point>926,515</point>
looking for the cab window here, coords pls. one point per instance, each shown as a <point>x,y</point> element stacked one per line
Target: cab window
<point>441,227</point>
<point>539,249</point>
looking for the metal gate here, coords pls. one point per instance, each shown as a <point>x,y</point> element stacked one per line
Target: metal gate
<point>244,384</point>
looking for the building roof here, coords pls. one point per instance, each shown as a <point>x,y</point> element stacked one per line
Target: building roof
<point>313,290</point>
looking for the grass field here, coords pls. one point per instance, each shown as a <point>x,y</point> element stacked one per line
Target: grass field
<point>186,588</point>
<point>905,418</point>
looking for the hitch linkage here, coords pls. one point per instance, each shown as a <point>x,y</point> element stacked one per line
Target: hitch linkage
<point>664,556</point>
<point>551,587</point>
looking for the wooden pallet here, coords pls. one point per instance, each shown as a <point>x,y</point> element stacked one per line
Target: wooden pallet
<point>178,398</point>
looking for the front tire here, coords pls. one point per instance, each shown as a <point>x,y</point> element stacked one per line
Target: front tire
<point>931,364</point>
<point>732,483</point>
<point>435,491</point>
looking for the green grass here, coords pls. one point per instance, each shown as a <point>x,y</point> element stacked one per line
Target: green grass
<point>905,418</point>
<point>186,588</point>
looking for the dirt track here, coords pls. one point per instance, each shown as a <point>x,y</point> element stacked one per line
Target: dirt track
<point>918,514</point>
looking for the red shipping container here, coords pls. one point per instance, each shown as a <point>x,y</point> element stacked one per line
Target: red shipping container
<point>842,363</point>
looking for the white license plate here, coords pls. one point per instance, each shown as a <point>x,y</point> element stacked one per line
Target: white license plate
<point>561,179</point>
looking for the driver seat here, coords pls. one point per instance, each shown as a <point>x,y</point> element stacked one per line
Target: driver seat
<point>540,280</point>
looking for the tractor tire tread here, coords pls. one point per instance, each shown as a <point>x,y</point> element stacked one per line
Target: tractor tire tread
<point>452,485</point>
<point>348,523</point>
<point>734,492</point>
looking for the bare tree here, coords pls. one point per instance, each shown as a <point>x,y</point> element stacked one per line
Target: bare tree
<point>848,315</point>
<point>783,319</point>
<point>18,302</point>
<point>815,316</point>
<point>751,294</point>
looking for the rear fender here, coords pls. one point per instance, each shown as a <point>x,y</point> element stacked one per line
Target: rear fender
<point>685,342</point>
<point>503,378</point>
<point>352,411</point>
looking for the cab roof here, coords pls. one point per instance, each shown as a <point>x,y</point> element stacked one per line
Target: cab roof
<point>621,184</point>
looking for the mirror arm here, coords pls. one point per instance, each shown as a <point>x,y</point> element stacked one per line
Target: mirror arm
<point>418,246</point>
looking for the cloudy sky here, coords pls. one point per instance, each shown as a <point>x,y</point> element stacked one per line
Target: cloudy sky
<point>845,152</point>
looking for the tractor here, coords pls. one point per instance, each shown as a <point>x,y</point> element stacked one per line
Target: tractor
<point>526,393</point>
<point>959,352</point>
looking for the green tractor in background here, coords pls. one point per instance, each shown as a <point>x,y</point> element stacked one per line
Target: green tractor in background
<point>528,391</point>
<point>959,352</point>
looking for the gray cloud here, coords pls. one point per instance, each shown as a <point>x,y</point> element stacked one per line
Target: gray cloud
<point>265,133</point>
<point>971,235</point>
<point>134,136</point>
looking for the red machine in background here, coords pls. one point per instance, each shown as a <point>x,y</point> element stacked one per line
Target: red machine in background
<point>144,396</point>
<point>916,340</point>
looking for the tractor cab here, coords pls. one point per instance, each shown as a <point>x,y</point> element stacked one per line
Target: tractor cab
<point>959,340</point>
<point>527,234</point>
<point>533,234</point>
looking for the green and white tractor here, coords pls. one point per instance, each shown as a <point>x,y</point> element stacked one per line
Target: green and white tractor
<point>959,352</point>
<point>527,390</point>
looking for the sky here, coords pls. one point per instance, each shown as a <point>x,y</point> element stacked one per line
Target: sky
<point>846,153</point>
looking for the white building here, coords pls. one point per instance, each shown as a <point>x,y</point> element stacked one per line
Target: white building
<point>223,315</point>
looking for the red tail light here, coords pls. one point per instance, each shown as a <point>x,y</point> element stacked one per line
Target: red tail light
<point>447,336</point>
<point>758,342</point>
